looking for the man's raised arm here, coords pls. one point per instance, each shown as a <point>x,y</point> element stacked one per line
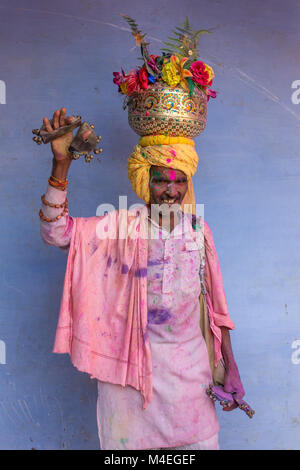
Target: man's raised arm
<point>57,232</point>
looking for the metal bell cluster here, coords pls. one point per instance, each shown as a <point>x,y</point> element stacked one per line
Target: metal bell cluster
<point>37,138</point>
<point>79,146</point>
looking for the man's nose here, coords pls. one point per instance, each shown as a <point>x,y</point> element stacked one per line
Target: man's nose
<point>171,190</point>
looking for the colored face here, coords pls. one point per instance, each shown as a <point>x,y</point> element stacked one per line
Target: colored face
<point>167,186</point>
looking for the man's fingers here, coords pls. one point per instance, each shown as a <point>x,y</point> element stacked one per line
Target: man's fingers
<point>230,407</point>
<point>47,124</point>
<point>62,117</point>
<point>56,119</point>
<point>69,119</point>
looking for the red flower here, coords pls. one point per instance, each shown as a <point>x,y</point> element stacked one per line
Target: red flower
<point>132,82</point>
<point>200,74</point>
<point>143,78</point>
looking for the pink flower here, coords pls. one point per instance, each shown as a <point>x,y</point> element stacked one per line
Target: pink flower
<point>143,78</point>
<point>210,93</point>
<point>118,78</point>
<point>152,63</point>
<point>200,75</point>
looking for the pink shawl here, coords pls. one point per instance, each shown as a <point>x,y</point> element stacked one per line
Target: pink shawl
<point>103,312</point>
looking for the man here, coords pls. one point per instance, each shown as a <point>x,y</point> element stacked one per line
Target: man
<point>130,311</point>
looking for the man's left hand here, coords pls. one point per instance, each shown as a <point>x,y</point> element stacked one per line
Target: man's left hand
<point>233,385</point>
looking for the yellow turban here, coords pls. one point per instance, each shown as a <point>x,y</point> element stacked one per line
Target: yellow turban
<point>177,153</point>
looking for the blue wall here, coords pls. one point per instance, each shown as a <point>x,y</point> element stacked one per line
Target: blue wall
<point>55,54</point>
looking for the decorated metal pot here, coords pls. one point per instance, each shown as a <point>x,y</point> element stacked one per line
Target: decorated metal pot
<point>161,110</point>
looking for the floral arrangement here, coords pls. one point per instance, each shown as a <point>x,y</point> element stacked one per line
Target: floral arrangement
<point>177,66</point>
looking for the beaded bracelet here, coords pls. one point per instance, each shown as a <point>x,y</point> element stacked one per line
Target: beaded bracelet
<point>46,219</point>
<point>55,184</point>
<point>56,179</point>
<point>51,204</point>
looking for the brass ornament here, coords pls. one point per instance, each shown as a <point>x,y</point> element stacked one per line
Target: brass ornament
<point>161,110</point>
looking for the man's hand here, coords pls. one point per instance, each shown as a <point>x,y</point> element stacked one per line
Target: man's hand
<point>232,381</point>
<point>60,145</point>
<point>233,385</point>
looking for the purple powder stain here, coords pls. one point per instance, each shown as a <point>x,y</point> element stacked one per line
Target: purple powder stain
<point>157,316</point>
<point>141,272</point>
<point>155,262</point>
<point>109,261</point>
<point>93,246</point>
<point>157,275</point>
<point>124,269</point>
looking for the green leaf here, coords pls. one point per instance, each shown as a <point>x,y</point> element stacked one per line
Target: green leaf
<point>173,39</point>
<point>170,44</point>
<point>191,85</point>
<point>184,31</point>
<point>186,40</point>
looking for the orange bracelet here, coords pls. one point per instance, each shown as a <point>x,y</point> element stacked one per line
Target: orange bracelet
<point>56,179</point>
<point>46,219</point>
<point>51,204</point>
<point>55,184</point>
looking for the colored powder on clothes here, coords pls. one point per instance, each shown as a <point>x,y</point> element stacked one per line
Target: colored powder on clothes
<point>124,269</point>
<point>141,272</point>
<point>157,316</point>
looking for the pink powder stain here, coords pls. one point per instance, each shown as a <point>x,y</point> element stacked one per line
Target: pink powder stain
<point>106,228</point>
<point>173,153</point>
<point>172,175</point>
<point>168,160</point>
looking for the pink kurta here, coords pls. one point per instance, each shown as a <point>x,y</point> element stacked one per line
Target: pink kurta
<point>180,412</point>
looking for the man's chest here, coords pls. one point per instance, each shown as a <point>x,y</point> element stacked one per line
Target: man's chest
<point>173,265</point>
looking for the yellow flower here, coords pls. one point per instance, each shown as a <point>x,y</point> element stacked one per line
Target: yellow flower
<point>123,88</point>
<point>173,72</point>
<point>210,72</point>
